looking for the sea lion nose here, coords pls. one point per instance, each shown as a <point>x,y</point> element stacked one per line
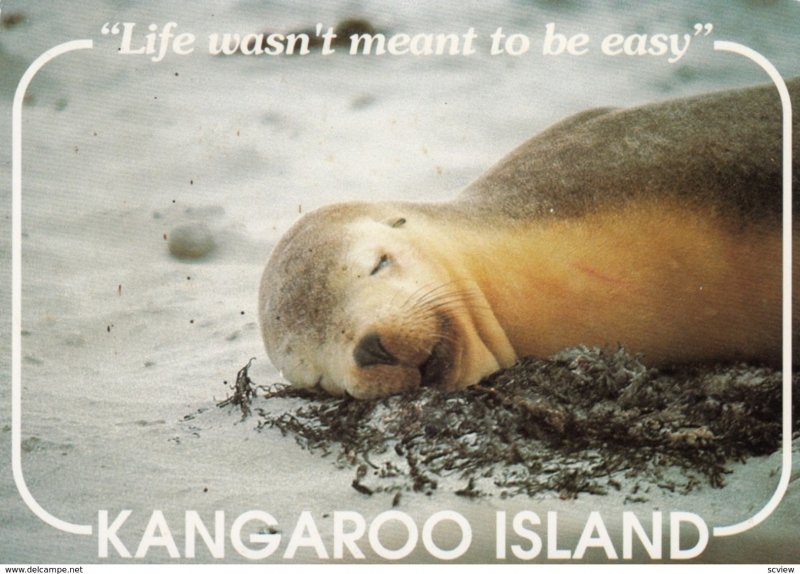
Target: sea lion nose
<point>370,351</point>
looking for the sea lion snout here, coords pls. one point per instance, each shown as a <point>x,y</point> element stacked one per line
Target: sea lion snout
<point>404,347</point>
<point>429,353</point>
<point>370,351</point>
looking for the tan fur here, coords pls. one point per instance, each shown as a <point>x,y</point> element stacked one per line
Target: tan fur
<point>687,289</point>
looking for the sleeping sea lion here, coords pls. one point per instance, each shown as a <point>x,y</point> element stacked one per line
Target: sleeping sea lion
<point>657,228</point>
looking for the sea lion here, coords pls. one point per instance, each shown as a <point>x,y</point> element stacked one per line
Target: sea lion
<point>656,228</point>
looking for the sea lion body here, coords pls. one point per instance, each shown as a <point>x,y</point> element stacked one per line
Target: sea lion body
<point>657,228</point>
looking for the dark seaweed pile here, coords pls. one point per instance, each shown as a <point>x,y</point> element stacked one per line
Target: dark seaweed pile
<point>585,421</point>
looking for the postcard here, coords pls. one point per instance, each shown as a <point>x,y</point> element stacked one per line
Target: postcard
<point>420,283</point>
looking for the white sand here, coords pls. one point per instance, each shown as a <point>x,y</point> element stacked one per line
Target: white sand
<point>121,340</point>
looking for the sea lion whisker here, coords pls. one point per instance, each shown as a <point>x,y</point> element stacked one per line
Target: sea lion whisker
<point>455,296</point>
<point>416,297</point>
<point>436,310</point>
<point>432,337</point>
<point>434,306</point>
<point>450,285</point>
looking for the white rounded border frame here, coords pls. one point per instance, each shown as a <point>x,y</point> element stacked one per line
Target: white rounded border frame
<point>16,286</point>
<point>16,290</point>
<point>786,467</point>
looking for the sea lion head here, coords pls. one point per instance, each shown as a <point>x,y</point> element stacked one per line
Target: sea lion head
<point>357,299</point>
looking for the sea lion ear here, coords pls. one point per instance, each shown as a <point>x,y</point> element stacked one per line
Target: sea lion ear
<point>398,222</point>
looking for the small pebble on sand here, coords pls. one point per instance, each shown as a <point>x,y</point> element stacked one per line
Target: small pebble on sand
<point>191,241</point>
